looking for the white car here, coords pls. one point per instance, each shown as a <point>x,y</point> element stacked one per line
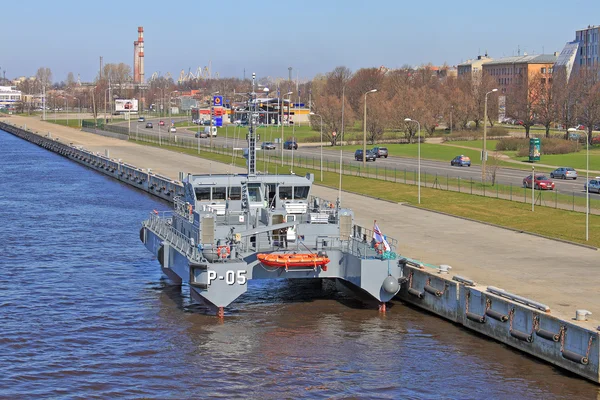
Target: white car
<point>173,129</point>
<point>594,185</point>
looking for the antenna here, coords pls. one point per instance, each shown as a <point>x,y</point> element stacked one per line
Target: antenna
<point>251,136</point>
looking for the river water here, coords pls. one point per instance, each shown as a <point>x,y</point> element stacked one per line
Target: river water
<point>86,313</point>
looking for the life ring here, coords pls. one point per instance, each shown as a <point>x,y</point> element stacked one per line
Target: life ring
<point>223,251</point>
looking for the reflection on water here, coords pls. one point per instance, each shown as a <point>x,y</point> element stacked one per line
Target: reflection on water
<point>85,312</point>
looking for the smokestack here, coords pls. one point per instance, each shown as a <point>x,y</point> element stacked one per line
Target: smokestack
<point>141,53</point>
<point>100,67</point>
<point>136,74</point>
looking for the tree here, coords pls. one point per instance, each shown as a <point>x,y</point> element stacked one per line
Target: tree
<point>70,80</point>
<point>545,108</point>
<point>330,108</point>
<point>44,76</point>
<point>587,93</point>
<point>564,99</point>
<point>521,102</point>
<point>378,111</point>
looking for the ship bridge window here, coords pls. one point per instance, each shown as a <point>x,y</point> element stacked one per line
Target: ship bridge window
<point>218,193</point>
<point>202,193</point>
<point>285,192</point>
<point>235,193</point>
<point>254,195</point>
<point>301,192</point>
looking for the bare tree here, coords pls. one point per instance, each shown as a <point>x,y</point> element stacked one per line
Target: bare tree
<point>587,89</point>
<point>545,108</point>
<point>521,101</point>
<point>565,100</point>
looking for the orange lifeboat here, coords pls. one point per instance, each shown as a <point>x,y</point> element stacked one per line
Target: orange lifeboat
<point>293,260</point>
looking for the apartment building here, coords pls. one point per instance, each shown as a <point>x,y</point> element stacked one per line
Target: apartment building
<point>9,96</point>
<point>473,68</point>
<point>584,51</point>
<point>508,71</point>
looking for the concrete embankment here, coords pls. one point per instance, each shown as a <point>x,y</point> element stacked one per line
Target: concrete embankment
<point>562,277</point>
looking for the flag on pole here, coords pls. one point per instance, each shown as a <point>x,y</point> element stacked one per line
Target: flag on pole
<point>379,238</point>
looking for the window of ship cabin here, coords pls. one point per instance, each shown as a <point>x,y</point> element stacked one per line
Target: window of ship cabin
<point>285,192</point>
<point>235,193</point>
<point>301,192</point>
<point>218,193</point>
<point>202,193</point>
<point>254,193</point>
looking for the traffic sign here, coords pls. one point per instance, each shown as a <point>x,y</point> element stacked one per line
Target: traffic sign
<point>218,101</point>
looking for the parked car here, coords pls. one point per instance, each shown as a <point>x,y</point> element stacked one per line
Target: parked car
<point>161,123</point>
<point>541,182</point>
<point>594,185</point>
<point>370,156</point>
<point>596,140</point>
<point>149,125</point>
<point>173,129</point>
<point>461,161</point>
<point>564,173</point>
<point>267,146</point>
<point>141,119</point>
<point>380,152</point>
<point>201,134</point>
<point>290,144</point>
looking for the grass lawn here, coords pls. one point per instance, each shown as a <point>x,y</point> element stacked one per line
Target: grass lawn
<point>545,221</point>
<point>575,160</point>
<point>475,144</point>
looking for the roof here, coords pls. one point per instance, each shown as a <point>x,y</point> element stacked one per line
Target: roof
<point>528,59</point>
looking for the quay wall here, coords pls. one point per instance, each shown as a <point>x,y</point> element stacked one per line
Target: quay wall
<point>520,323</point>
<point>517,322</point>
<point>143,179</point>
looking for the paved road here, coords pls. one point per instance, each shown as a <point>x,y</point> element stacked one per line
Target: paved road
<point>561,275</point>
<point>232,136</point>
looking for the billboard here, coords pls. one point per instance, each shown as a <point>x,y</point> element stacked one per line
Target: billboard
<point>125,105</point>
<point>535,149</point>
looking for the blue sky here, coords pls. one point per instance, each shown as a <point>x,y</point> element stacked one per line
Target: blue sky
<point>268,37</point>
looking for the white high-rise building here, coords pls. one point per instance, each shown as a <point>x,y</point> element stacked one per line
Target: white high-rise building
<point>582,52</point>
<point>9,96</point>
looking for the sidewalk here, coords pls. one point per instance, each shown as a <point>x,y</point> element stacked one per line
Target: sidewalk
<point>561,275</point>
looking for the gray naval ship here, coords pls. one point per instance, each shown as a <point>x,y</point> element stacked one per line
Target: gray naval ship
<point>229,229</point>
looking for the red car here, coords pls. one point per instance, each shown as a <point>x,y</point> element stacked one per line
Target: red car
<point>161,123</point>
<point>541,182</point>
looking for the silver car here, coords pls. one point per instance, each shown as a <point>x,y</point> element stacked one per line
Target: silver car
<point>594,185</point>
<point>564,173</point>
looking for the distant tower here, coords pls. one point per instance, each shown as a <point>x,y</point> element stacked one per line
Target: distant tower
<point>141,52</point>
<point>100,67</point>
<point>138,57</point>
<point>290,73</point>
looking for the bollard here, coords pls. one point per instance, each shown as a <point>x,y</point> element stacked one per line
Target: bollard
<point>581,315</point>
<point>444,269</point>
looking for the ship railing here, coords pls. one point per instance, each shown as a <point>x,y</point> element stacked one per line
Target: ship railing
<point>163,227</point>
<point>364,234</point>
<point>180,206</point>
<point>365,249</point>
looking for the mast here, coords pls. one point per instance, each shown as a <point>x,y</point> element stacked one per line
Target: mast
<point>251,135</point>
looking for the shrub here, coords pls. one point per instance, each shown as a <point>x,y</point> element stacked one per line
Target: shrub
<point>549,146</point>
<point>512,144</point>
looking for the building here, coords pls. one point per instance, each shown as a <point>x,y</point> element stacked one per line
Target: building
<point>508,71</point>
<point>473,68</point>
<point>9,96</point>
<point>583,51</point>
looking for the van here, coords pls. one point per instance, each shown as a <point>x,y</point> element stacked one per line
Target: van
<point>207,130</point>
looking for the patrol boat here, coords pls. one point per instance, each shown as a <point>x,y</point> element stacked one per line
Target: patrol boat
<point>229,229</point>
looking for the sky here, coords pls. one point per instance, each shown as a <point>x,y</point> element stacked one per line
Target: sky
<point>312,37</point>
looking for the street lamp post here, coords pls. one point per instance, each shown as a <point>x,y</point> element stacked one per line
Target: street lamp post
<point>418,156</point>
<point>484,151</point>
<point>321,141</point>
<point>587,183</point>
<point>283,108</point>
<point>365,130</point>
<point>343,98</point>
